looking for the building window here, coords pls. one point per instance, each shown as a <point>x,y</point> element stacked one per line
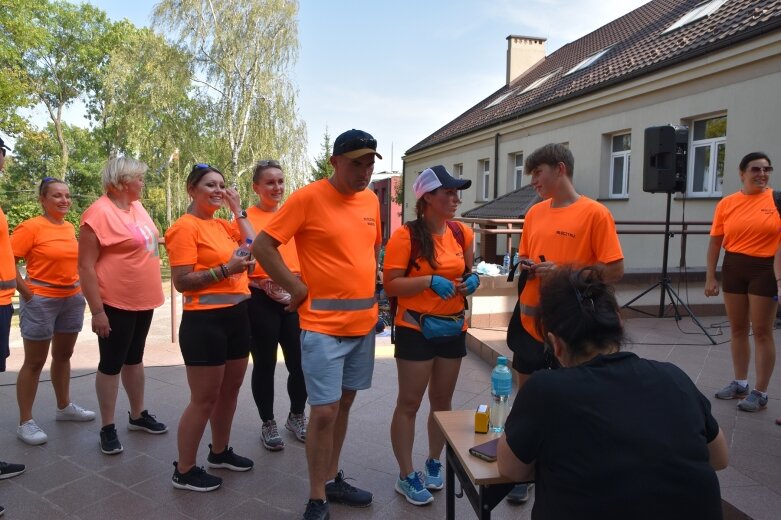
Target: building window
<point>706,157</point>
<point>620,157</point>
<point>537,82</point>
<point>588,61</point>
<point>485,169</point>
<point>458,171</point>
<point>518,171</point>
<point>702,10</point>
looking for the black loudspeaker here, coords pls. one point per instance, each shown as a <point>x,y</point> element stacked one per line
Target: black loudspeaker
<point>664,162</point>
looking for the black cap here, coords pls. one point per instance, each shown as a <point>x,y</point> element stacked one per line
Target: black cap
<point>355,143</point>
<point>3,145</point>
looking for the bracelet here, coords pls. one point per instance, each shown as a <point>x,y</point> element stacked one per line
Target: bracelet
<point>214,275</point>
<point>224,270</point>
<point>101,311</point>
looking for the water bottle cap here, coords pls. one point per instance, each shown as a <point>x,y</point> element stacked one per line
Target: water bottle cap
<point>501,360</point>
<point>248,240</point>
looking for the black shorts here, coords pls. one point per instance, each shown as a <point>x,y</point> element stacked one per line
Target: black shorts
<point>412,346</point>
<point>212,337</point>
<point>531,355</point>
<point>744,274</point>
<point>126,341</point>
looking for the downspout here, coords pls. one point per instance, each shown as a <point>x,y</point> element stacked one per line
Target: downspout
<point>403,189</point>
<point>496,164</point>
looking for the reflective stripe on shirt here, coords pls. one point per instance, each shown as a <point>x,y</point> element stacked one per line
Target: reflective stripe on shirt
<point>216,299</point>
<point>41,283</point>
<point>338,304</point>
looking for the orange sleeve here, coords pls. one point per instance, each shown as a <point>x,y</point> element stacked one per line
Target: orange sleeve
<point>398,249</point>
<point>181,242</point>
<point>717,228</point>
<point>290,217</point>
<point>22,239</point>
<point>606,243</point>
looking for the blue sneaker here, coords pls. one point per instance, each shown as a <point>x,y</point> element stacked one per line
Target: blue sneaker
<point>753,403</point>
<point>412,489</point>
<point>434,474</point>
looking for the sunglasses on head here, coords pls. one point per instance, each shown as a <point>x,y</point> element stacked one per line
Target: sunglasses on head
<point>204,166</point>
<point>761,169</point>
<point>271,162</point>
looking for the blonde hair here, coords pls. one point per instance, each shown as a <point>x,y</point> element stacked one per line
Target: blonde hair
<point>119,170</point>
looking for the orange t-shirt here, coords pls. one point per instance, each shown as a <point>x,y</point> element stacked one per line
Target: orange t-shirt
<point>450,260</point>
<point>51,254</point>
<point>7,263</point>
<point>749,223</point>
<point>336,236</point>
<point>259,218</point>
<point>205,244</point>
<point>128,267</point>
<point>581,234</point>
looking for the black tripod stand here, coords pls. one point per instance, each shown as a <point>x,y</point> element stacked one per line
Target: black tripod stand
<point>665,285</point>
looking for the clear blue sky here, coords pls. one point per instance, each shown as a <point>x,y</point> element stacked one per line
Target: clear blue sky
<point>401,69</point>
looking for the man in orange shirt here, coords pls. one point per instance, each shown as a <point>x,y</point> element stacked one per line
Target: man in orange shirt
<point>7,288</point>
<point>336,226</point>
<point>566,228</point>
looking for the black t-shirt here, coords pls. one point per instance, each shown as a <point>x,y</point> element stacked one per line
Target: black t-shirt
<point>617,437</point>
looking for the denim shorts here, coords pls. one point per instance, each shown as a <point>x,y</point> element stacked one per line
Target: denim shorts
<point>42,317</point>
<point>333,363</point>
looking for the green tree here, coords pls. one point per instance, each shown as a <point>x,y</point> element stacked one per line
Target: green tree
<point>64,65</point>
<point>322,169</point>
<point>244,50</point>
<point>19,34</point>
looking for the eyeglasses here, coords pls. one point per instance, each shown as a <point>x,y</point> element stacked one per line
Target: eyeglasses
<point>271,162</point>
<point>761,169</point>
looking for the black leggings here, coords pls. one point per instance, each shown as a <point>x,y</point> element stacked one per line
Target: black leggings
<point>271,325</point>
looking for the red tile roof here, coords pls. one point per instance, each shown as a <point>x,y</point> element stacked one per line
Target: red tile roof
<point>638,46</point>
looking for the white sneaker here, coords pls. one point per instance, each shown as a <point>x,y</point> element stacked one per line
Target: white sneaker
<point>31,433</point>
<point>74,412</point>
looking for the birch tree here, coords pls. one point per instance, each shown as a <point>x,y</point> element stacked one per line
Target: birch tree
<point>243,52</point>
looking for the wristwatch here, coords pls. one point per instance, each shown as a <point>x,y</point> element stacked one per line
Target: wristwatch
<point>242,214</point>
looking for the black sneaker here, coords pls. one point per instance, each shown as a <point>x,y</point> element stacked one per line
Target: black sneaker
<point>109,442</point>
<point>317,510</point>
<point>147,423</point>
<point>520,494</point>
<point>9,469</point>
<point>195,480</point>
<point>228,460</point>
<point>341,492</point>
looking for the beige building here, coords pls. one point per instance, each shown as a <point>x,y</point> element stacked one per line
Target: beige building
<point>713,66</point>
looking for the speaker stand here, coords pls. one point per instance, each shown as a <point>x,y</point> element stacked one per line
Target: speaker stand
<point>665,285</point>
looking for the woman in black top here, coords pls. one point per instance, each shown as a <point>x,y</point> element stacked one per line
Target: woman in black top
<point>610,435</point>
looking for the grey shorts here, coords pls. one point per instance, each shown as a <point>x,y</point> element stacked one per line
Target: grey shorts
<point>41,317</point>
<point>333,363</point>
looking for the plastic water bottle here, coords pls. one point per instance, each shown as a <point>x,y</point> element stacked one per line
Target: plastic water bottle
<point>501,386</point>
<point>516,258</point>
<point>506,263</point>
<point>245,249</point>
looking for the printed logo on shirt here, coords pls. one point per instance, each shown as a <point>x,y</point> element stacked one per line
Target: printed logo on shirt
<point>565,233</point>
<point>142,234</point>
<point>370,221</point>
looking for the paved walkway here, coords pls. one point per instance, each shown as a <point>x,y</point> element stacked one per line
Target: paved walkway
<point>69,477</point>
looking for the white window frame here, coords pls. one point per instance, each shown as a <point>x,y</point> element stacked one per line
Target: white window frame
<point>702,10</point>
<point>537,82</point>
<point>627,158</point>
<point>517,171</point>
<point>458,173</point>
<point>588,61</point>
<point>712,181</point>
<point>485,170</point>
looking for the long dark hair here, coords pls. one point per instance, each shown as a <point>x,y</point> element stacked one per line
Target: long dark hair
<point>419,231</point>
<point>578,307</point>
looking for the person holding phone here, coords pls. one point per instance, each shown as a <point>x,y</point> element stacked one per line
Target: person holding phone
<point>209,268</point>
<point>565,228</point>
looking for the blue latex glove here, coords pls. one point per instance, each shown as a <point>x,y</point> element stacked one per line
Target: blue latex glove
<point>442,286</point>
<point>472,282</point>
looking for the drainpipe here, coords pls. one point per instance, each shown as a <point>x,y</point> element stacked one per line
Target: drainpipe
<point>403,189</point>
<point>496,164</point>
